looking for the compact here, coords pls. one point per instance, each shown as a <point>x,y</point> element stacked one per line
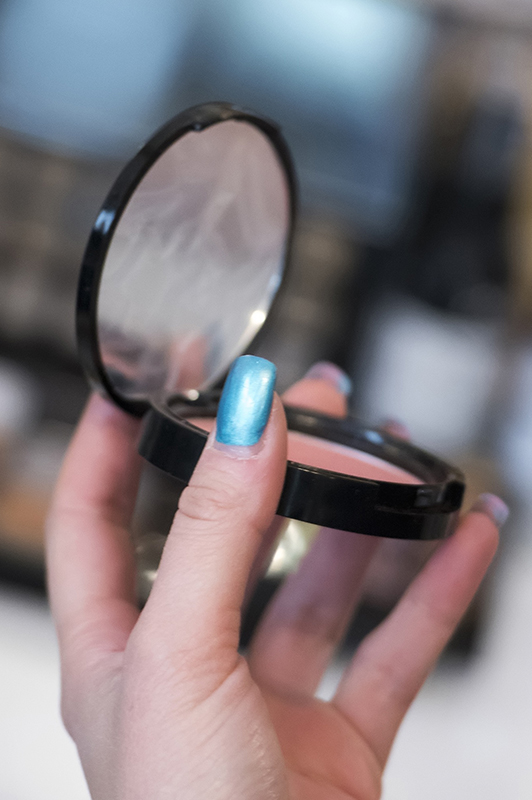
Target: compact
<point>182,266</point>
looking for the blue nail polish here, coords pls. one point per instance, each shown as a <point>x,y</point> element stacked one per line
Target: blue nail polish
<point>246,401</point>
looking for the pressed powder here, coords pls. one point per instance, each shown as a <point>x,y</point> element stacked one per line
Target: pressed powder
<point>323,454</point>
<point>339,458</point>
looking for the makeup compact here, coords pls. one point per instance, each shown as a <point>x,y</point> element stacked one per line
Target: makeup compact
<point>181,269</point>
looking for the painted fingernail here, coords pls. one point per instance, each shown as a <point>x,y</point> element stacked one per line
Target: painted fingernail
<point>329,372</point>
<point>395,428</point>
<point>246,402</point>
<point>494,507</point>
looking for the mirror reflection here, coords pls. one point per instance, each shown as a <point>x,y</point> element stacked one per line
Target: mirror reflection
<point>195,262</point>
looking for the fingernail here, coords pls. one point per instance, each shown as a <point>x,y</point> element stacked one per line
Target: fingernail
<point>329,372</point>
<point>246,402</point>
<point>395,428</point>
<point>494,507</point>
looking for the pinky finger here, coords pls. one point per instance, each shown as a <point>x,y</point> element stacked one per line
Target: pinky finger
<point>393,662</point>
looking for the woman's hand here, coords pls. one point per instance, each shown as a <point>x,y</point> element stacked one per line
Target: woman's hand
<point>160,703</point>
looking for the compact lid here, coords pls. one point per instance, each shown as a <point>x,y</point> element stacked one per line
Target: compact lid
<point>186,256</point>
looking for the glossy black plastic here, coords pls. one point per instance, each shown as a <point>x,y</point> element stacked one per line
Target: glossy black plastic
<point>193,119</point>
<point>427,510</point>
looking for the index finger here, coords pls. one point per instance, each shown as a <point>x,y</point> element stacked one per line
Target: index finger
<point>89,556</point>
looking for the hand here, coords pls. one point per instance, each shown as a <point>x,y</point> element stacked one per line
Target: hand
<point>160,703</point>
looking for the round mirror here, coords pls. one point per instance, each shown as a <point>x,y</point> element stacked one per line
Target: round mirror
<point>179,273</point>
<point>193,262</point>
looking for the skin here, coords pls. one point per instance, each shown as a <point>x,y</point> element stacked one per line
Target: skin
<point>160,703</point>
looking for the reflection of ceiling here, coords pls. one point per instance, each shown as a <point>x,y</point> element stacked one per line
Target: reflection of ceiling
<point>507,12</point>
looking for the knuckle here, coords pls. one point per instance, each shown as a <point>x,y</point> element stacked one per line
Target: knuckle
<point>157,664</point>
<point>212,503</point>
<point>145,656</point>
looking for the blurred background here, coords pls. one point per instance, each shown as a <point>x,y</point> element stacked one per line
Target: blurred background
<point>411,128</point>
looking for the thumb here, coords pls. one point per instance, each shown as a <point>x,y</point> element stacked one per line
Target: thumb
<point>223,513</point>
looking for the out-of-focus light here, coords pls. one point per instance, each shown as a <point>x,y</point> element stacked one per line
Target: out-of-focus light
<point>258,317</point>
<point>97,70</point>
<point>291,548</point>
<point>361,50</point>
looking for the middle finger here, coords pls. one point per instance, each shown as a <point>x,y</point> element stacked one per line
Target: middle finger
<point>309,616</point>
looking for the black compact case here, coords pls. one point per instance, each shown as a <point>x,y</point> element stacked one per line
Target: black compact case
<point>183,264</point>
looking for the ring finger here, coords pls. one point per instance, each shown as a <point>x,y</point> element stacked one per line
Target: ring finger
<point>309,615</point>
